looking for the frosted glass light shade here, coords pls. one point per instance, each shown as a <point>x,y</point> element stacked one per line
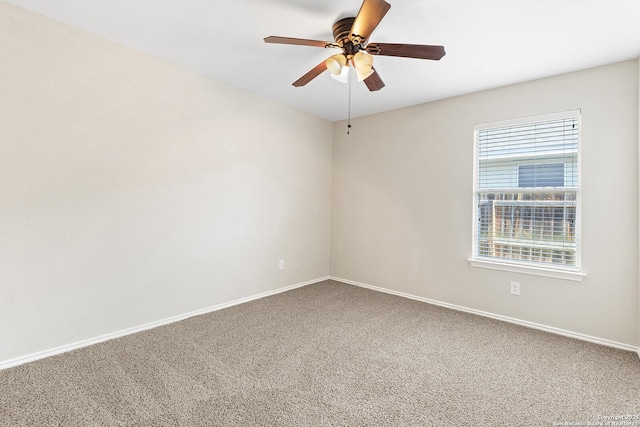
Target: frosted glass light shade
<point>343,77</point>
<point>363,63</point>
<point>336,63</point>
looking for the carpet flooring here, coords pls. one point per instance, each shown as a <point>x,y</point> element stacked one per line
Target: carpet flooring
<point>329,354</point>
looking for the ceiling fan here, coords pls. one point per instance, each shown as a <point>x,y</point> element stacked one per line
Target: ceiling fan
<point>351,36</point>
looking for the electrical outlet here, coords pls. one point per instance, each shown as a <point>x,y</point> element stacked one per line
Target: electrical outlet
<point>281,265</point>
<point>515,288</point>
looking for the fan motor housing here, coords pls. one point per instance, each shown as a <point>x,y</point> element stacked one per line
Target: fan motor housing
<point>341,30</point>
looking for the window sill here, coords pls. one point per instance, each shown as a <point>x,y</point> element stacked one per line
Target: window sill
<point>535,271</point>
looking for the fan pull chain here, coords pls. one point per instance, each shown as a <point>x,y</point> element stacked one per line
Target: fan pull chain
<point>349,107</point>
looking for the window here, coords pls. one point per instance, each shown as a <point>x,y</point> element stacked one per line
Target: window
<point>526,194</point>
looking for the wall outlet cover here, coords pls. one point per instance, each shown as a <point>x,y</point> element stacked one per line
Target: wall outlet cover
<point>515,288</point>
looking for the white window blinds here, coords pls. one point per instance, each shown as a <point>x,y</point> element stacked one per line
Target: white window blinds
<point>526,192</point>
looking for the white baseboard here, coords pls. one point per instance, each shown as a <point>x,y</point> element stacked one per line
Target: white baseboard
<point>528,324</point>
<point>85,343</point>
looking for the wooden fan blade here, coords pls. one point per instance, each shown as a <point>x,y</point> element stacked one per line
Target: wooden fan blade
<point>418,51</point>
<point>374,82</point>
<point>315,72</point>
<point>370,14</point>
<point>299,42</point>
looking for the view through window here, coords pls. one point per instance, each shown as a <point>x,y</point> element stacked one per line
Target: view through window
<point>526,191</point>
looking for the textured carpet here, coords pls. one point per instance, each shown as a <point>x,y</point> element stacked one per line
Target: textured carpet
<point>328,354</point>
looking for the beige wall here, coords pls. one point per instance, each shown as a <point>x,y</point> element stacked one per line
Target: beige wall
<point>402,203</point>
<point>132,190</point>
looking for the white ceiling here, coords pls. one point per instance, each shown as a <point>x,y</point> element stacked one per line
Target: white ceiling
<point>489,43</point>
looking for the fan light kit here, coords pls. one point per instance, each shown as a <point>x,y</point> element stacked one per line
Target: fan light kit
<point>351,36</point>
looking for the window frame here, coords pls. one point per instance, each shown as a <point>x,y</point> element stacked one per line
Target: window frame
<point>574,273</point>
